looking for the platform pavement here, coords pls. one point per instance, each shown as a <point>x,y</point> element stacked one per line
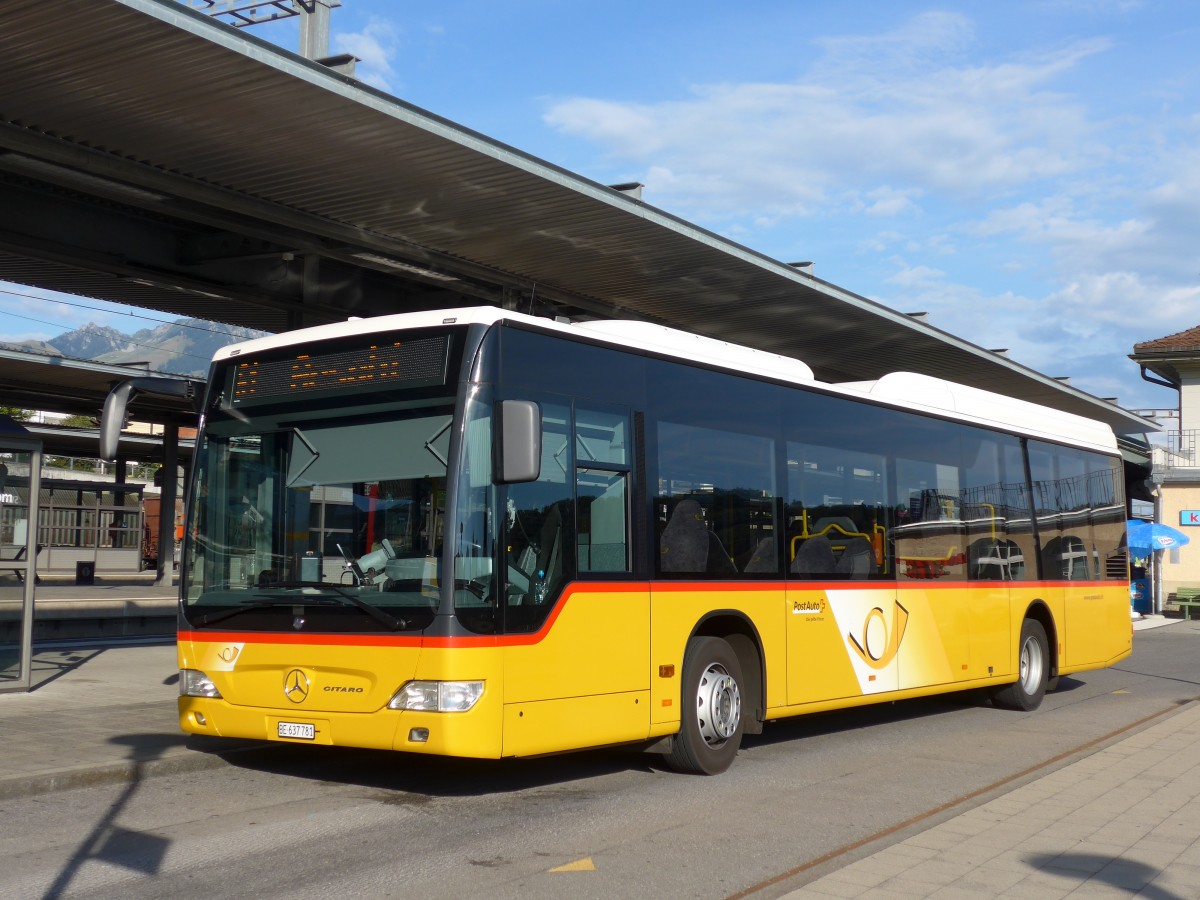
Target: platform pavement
<point>1123,819</point>
<point>100,711</point>
<point>122,606</point>
<point>141,587</point>
<point>1121,822</point>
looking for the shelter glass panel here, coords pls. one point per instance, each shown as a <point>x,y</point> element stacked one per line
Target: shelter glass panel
<point>16,568</point>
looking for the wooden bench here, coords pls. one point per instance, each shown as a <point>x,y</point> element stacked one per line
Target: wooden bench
<point>19,571</point>
<point>1187,599</point>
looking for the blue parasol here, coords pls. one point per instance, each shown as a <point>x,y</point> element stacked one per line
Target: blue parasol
<point>1150,536</point>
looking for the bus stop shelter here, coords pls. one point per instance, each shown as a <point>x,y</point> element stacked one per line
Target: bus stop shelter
<point>96,520</point>
<point>20,468</point>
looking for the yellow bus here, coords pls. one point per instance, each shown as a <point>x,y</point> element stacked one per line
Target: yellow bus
<point>477,533</point>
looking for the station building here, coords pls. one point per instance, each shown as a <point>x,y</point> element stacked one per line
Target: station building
<point>1174,361</point>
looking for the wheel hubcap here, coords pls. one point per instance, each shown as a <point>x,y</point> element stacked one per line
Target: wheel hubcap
<point>1032,665</point>
<point>719,706</point>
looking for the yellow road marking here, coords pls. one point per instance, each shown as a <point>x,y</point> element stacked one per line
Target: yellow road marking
<point>580,865</point>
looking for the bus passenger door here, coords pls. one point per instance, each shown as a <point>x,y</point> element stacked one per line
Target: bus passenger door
<point>844,627</point>
<point>935,524</point>
<point>577,642</point>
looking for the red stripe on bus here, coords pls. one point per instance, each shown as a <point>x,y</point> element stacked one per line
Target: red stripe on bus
<point>594,587</point>
<point>416,640</point>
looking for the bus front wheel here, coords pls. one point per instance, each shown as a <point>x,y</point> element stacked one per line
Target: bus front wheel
<point>710,730</point>
<point>1033,671</point>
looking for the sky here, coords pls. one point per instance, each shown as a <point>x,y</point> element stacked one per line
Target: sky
<point>1026,172</point>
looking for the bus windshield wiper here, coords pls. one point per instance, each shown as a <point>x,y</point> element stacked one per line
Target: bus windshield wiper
<point>339,594</point>
<point>246,606</point>
<point>387,620</point>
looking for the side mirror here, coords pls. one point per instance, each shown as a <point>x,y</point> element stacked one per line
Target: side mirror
<point>116,404</point>
<point>520,441</point>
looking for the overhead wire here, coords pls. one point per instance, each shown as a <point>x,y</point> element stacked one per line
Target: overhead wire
<point>99,309</point>
<point>128,339</point>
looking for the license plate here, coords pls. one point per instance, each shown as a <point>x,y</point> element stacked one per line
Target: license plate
<point>301,730</point>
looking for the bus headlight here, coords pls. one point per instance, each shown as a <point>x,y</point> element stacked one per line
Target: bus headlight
<point>437,696</point>
<point>194,683</point>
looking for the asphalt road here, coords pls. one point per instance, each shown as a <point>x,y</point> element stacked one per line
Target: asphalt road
<point>308,822</point>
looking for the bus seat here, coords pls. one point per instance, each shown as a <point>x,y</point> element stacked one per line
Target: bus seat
<point>857,560</point>
<point>684,544</point>
<point>815,557</point>
<point>835,527</point>
<point>550,540</point>
<point>718,562</point>
<point>764,558</point>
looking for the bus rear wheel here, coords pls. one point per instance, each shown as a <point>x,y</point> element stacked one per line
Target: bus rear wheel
<point>710,730</point>
<point>1026,692</point>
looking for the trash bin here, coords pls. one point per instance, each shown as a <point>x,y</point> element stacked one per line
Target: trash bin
<point>1139,595</point>
<point>85,572</point>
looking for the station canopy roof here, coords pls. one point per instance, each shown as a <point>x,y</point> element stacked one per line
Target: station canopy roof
<point>163,159</point>
<point>78,387</point>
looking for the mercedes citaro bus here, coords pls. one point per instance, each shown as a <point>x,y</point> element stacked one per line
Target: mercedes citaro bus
<point>478,533</point>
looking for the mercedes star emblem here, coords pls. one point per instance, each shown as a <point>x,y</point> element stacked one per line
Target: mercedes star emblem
<point>295,686</point>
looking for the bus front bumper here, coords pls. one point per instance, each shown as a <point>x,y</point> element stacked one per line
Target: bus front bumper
<point>476,733</point>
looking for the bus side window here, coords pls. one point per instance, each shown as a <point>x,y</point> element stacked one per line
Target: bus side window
<point>539,538</point>
<point>931,538</point>
<point>602,453</point>
<point>603,514</point>
<point>1106,504</point>
<point>995,510</point>
<point>716,503</point>
<point>835,512</point>
<point>1080,505</point>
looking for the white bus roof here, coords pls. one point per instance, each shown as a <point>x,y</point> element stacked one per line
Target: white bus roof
<point>906,390</point>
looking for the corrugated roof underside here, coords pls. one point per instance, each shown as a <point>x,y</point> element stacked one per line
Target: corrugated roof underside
<point>90,283</point>
<point>177,92</point>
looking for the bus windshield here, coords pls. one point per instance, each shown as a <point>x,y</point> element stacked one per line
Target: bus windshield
<point>329,520</point>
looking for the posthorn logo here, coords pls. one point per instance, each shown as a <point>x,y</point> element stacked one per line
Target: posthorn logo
<point>879,643</point>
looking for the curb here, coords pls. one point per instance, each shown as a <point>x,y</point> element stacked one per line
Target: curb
<point>69,778</point>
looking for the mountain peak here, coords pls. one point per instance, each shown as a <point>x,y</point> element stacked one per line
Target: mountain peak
<point>89,341</point>
<point>183,347</point>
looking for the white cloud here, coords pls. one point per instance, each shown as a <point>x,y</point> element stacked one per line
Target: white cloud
<point>908,122</point>
<point>1085,330</point>
<point>886,201</point>
<point>1071,221</point>
<point>628,129</point>
<point>917,277</point>
<point>375,46</point>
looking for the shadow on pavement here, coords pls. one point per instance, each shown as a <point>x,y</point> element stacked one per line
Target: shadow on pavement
<point>46,666</point>
<point>432,776</point>
<point>1105,871</point>
<point>111,843</point>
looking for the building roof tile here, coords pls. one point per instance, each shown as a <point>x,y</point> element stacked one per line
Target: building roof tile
<point>1183,340</point>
